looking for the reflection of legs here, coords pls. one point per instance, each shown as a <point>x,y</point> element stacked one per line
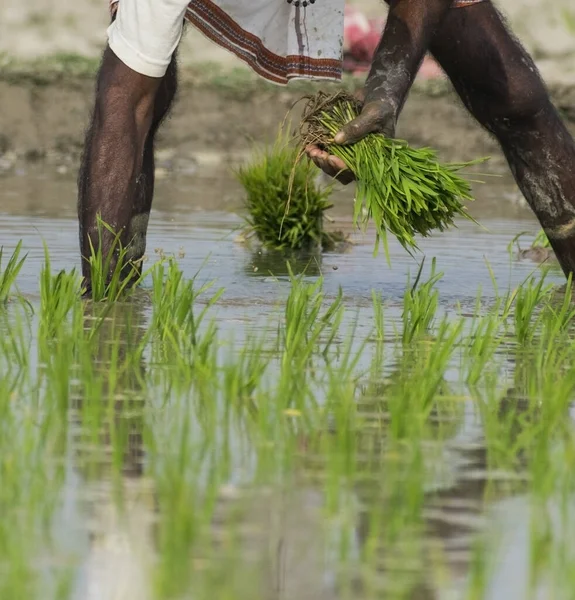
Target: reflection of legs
<point>499,84</point>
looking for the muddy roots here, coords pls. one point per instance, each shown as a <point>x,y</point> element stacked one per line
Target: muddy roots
<point>318,109</point>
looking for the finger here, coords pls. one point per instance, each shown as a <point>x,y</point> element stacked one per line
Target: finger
<point>314,151</point>
<point>339,170</point>
<point>333,167</point>
<point>322,162</point>
<point>337,163</point>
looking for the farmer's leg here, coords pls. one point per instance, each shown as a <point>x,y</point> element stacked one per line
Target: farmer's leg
<point>135,88</point>
<point>498,82</point>
<point>113,154</point>
<point>138,226</point>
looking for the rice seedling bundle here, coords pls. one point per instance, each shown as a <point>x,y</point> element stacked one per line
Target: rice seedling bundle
<point>285,206</point>
<point>404,190</point>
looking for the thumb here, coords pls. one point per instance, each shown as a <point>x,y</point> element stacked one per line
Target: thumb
<point>356,130</point>
<point>376,117</point>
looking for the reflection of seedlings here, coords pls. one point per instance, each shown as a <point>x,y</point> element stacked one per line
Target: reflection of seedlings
<point>484,339</point>
<point>276,263</point>
<point>405,190</point>
<point>416,395</point>
<point>285,205</point>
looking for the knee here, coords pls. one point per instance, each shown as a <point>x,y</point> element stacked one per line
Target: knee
<point>122,94</point>
<point>515,102</point>
<point>526,98</point>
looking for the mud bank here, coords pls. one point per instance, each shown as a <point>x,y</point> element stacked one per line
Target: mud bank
<point>218,117</point>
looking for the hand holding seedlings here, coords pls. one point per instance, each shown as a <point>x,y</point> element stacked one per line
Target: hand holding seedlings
<point>376,116</point>
<point>404,190</point>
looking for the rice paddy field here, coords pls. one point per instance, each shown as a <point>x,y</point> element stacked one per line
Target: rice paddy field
<point>242,427</point>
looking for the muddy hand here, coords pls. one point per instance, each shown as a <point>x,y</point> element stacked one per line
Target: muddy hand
<point>377,116</point>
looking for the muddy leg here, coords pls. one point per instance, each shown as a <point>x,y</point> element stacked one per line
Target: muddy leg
<point>113,154</point>
<point>138,226</point>
<point>499,84</point>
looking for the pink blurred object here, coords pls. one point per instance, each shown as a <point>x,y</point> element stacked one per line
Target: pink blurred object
<point>360,39</point>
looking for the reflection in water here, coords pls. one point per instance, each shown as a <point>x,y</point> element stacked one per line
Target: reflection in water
<point>108,415</point>
<point>265,263</point>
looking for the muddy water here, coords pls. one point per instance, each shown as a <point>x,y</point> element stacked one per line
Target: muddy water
<point>198,220</point>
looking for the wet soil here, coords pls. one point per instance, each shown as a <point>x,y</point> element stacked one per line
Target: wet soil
<point>218,119</point>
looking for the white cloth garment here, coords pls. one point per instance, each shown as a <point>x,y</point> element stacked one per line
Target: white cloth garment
<point>279,41</point>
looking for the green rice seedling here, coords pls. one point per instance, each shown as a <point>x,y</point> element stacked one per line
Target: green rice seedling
<point>420,304</point>
<point>176,320</point>
<point>58,294</point>
<point>404,190</point>
<point>483,340</point>
<point>521,422</point>
<point>15,339</point>
<point>558,318</point>
<point>285,206</point>
<point>390,488</point>
<point>9,273</point>
<point>528,297</point>
<point>541,240</point>
<point>305,327</point>
<point>189,462</point>
<point>242,375</point>
<point>112,280</point>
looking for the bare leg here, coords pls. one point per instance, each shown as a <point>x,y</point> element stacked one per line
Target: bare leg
<point>116,177</point>
<point>499,84</point>
<point>137,229</point>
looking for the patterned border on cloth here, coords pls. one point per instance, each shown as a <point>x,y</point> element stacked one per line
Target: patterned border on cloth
<point>219,27</point>
<point>215,24</point>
